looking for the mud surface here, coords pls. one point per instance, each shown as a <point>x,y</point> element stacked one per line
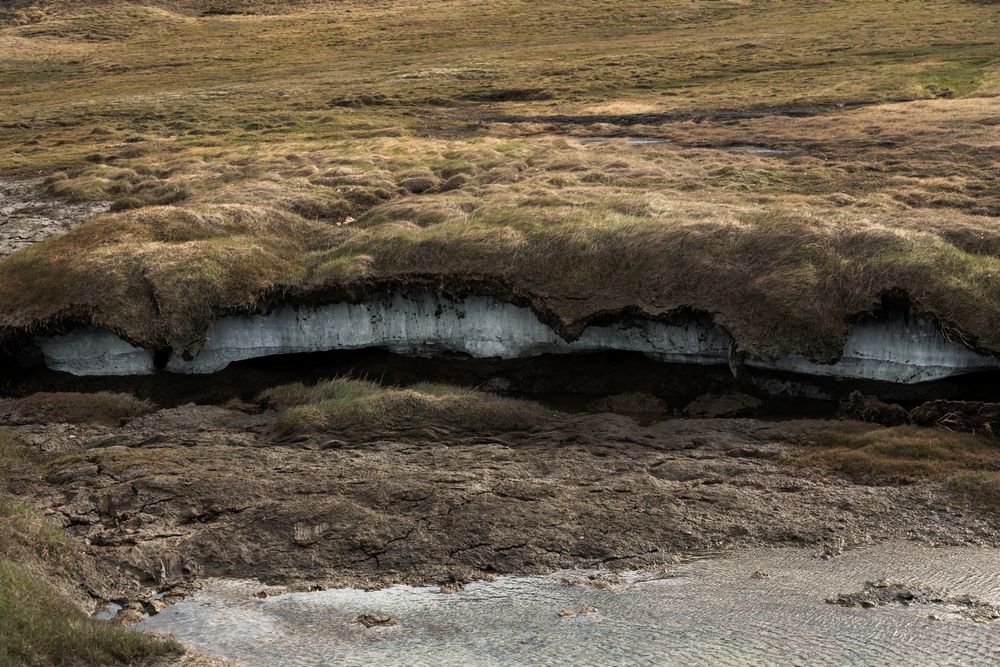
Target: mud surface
<point>198,491</point>
<point>760,607</point>
<point>28,215</point>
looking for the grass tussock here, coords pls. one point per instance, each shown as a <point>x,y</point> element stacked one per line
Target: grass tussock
<point>120,461</point>
<point>876,453</point>
<point>82,408</point>
<point>358,406</point>
<point>12,454</point>
<point>25,535</point>
<point>981,488</point>
<point>39,627</point>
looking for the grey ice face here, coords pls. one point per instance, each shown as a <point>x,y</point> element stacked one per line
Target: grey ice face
<point>762,607</point>
<point>899,350</point>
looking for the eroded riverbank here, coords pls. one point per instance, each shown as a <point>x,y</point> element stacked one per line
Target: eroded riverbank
<point>156,502</point>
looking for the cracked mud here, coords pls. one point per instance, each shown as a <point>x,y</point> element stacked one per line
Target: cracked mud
<point>28,215</point>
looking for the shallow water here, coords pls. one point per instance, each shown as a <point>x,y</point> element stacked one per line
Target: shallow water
<point>632,140</point>
<point>755,149</point>
<point>764,607</point>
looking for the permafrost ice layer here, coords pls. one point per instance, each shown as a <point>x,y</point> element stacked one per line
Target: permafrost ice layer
<point>900,350</point>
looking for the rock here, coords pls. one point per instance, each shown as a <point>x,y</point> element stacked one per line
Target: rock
<point>567,613</point>
<point>306,533</point>
<point>630,403</point>
<point>971,416</point>
<point>728,404</point>
<point>376,620</point>
<point>870,409</point>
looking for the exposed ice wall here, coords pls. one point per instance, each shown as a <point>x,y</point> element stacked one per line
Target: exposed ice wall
<point>95,352</point>
<point>424,323</point>
<point>899,350</point>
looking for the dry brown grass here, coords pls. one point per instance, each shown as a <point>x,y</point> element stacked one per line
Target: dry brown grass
<point>779,279</point>
<point>358,407</point>
<point>11,451</point>
<point>979,487</point>
<point>79,408</point>
<point>877,453</point>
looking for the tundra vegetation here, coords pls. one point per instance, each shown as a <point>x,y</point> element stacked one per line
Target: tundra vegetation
<point>256,151</point>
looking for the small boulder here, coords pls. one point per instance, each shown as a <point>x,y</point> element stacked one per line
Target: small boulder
<point>870,409</point>
<point>376,620</point>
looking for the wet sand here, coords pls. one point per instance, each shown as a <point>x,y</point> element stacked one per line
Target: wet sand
<point>757,606</point>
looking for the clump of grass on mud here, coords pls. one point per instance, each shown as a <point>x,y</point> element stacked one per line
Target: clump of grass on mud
<point>867,453</point>
<point>81,408</point>
<point>25,535</point>
<point>968,465</point>
<point>39,627</point>
<point>11,452</point>
<point>980,487</point>
<point>366,408</point>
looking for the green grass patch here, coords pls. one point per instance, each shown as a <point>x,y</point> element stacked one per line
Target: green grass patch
<point>368,409</point>
<point>26,535</point>
<point>40,628</point>
<point>954,79</point>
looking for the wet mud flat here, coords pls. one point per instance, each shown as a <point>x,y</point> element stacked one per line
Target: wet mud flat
<point>757,606</point>
<point>164,500</point>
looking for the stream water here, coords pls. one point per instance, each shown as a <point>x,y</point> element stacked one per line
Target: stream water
<point>761,607</point>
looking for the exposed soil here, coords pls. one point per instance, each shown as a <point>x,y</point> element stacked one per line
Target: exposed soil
<point>203,490</point>
<point>28,215</point>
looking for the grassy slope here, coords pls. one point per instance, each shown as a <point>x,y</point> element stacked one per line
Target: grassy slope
<point>301,148</point>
